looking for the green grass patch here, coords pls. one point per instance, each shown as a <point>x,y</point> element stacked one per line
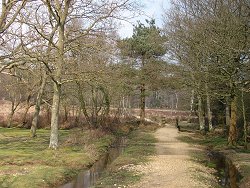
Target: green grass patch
<point>28,162</point>
<point>209,140</point>
<point>117,179</point>
<point>140,145</point>
<point>218,142</point>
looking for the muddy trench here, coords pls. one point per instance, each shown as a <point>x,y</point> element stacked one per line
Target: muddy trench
<point>226,172</point>
<point>88,178</point>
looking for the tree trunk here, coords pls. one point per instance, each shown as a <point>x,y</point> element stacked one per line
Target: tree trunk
<point>142,104</point>
<point>233,123</point>
<point>10,118</point>
<point>105,106</point>
<point>123,106</point>
<point>66,113</point>
<point>48,113</point>
<point>177,101</point>
<point>62,15</point>
<point>244,119</point>
<point>35,119</point>
<point>192,102</point>
<point>55,117</point>
<point>94,107</point>
<point>73,111</point>
<point>83,104</point>
<point>142,93</point>
<point>107,102</point>
<point>172,104</point>
<point>200,114</point>
<point>129,102</point>
<point>226,128</point>
<point>57,91</point>
<point>209,113</point>
<point>191,105</point>
<point>24,122</point>
<point>14,106</point>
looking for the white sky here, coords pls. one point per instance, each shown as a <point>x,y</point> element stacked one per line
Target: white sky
<point>152,9</point>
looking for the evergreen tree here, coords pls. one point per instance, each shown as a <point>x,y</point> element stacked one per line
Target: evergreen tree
<point>145,47</point>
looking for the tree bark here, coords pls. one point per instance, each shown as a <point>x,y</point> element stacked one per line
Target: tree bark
<point>191,105</point>
<point>55,117</point>
<point>94,118</point>
<point>34,123</point>
<point>83,104</point>
<point>177,101</point>
<point>244,119</point>
<point>27,107</point>
<point>66,113</point>
<point>62,10</point>
<point>57,80</point>
<point>192,102</point>
<point>14,106</point>
<point>200,114</point>
<point>142,93</point>
<point>209,113</point>
<point>10,118</point>
<point>142,104</point>
<point>233,123</point>
<point>226,128</point>
<point>107,101</point>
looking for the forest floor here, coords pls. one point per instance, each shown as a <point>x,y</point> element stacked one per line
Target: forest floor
<point>172,166</point>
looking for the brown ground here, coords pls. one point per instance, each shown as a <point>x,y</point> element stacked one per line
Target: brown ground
<point>172,166</point>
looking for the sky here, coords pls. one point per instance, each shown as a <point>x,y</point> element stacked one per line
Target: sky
<point>152,9</point>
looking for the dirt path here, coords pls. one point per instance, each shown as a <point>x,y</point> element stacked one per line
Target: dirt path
<point>171,167</point>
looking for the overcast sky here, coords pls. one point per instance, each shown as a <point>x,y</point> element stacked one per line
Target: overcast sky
<point>152,9</point>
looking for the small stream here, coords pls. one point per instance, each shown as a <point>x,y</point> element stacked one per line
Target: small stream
<point>227,174</point>
<point>88,177</point>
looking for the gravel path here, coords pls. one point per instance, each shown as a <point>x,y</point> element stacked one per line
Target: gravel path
<point>171,167</point>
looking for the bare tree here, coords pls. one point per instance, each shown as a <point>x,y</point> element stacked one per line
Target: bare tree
<point>57,17</point>
<point>211,40</point>
<point>9,11</point>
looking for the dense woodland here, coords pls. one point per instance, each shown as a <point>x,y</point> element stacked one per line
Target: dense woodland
<point>63,62</point>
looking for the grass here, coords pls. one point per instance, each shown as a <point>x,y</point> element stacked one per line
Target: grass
<point>202,177</point>
<point>216,141</point>
<point>202,158</point>
<point>27,162</point>
<point>140,145</point>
